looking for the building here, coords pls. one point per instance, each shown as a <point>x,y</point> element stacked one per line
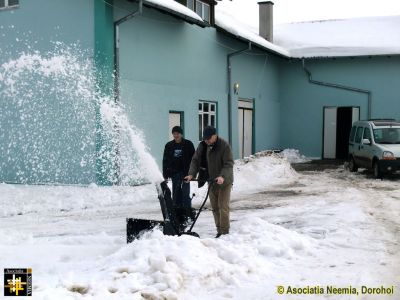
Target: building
<point>187,63</point>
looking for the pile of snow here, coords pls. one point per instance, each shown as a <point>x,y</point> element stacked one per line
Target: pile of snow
<point>294,156</point>
<point>162,267</point>
<point>261,171</point>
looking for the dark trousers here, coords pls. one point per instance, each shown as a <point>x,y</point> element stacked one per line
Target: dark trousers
<point>180,191</point>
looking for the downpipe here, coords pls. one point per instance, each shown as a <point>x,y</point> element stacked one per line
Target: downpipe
<point>116,47</point>
<point>117,23</point>
<point>340,86</point>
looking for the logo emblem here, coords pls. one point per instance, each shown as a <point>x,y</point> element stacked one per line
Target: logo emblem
<point>17,282</point>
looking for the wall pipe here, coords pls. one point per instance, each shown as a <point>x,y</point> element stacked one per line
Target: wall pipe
<point>117,23</point>
<point>340,86</point>
<point>116,46</point>
<point>229,69</point>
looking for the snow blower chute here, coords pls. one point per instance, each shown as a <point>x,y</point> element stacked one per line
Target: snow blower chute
<point>173,223</point>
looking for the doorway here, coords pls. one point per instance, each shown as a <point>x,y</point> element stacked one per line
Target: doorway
<point>337,126</point>
<point>245,127</point>
<point>175,119</point>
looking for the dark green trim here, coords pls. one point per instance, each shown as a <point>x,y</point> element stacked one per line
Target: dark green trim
<point>182,116</point>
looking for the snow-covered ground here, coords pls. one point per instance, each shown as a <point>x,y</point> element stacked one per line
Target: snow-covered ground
<point>288,228</point>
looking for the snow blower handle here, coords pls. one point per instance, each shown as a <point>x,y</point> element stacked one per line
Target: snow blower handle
<point>210,184</point>
<point>210,181</point>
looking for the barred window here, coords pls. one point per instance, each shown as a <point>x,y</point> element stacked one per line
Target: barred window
<point>207,116</point>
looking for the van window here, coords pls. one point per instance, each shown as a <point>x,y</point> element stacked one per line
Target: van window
<point>352,133</point>
<point>387,135</point>
<point>359,134</point>
<point>367,134</point>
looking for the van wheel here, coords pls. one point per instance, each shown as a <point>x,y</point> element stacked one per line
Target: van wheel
<point>377,171</point>
<point>352,165</point>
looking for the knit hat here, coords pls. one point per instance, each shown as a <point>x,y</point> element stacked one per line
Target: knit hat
<point>208,132</point>
<point>177,129</point>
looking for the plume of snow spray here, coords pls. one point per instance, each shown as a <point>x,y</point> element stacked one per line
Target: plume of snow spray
<point>49,125</point>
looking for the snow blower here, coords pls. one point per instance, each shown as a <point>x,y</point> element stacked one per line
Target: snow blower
<point>173,223</point>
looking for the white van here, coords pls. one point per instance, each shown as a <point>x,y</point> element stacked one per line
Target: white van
<point>375,144</point>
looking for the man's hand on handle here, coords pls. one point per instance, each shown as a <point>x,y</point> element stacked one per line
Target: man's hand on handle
<point>188,178</point>
<point>219,180</point>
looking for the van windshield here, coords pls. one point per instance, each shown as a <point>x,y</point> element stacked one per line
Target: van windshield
<point>387,136</point>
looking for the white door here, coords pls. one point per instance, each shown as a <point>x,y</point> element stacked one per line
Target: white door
<point>331,129</point>
<point>330,117</point>
<point>356,114</point>
<point>175,119</point>
<point>245,128</point>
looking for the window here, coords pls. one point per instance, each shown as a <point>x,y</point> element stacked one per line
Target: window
<point>387,136</point>
<point>206,12</point>
<point>201,8</point>
<point>8,4</point>
<point>352,133</point>
<point>190,4</point>
<point>207,116</point>
<point>367,134</point>
<point>359,134</point>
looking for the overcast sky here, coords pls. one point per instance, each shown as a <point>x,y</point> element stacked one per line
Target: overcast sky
<point>287,11</point>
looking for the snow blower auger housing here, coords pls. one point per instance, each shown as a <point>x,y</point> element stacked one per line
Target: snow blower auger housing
<point>173,223</point>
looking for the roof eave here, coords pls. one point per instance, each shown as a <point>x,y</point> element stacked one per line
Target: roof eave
<point>218,28</point>
<point>176,14</point>
<point>346,56</point>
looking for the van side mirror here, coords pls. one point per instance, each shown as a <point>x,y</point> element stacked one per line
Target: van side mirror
<point>366,142</point>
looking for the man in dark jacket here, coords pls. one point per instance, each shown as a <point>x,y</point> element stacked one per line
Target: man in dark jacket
<point>219,162</point>
<point>176,161</point>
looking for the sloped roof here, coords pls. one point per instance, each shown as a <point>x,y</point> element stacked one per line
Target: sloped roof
<point>228,23</point>
<point>330,38</point>
<point>346,37</point>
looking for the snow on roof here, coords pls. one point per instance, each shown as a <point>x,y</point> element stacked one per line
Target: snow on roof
<point>335,38</point>
<point>329,38</point>
<point>228,23</point>
<point>176,7</point>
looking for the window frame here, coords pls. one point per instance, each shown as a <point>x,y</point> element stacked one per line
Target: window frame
<point>8,6</point>
<point>192,6</point>
<point>352,133</point>
<point>367,129</point>
<point>201,113</point>
<point>361,129</point>
<point>198,7</point>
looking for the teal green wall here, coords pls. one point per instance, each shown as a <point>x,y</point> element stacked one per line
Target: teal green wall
<point>53,126</point>
<point>258,76</point>
<point>302,103</point>
<point>168,64</point>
